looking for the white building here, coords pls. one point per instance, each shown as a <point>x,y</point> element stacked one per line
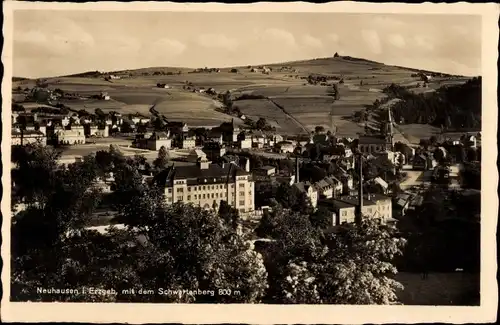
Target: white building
<point>188,143</point>
<point>75,135</point>
<point>285,147</point>
<point>311,192</point>
<point>207,184</point>
<point>245,143</point>
<point>27,136</point>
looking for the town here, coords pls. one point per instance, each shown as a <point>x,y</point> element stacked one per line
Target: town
<point>250,175</point>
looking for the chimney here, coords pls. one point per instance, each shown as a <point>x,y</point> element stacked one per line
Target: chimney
<point>359,214</point>
<point>297,169</point>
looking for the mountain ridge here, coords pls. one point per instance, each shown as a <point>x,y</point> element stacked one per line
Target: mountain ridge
<point>340,59</point>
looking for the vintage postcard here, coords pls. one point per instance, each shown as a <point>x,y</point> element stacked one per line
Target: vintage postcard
<point>253,164</point>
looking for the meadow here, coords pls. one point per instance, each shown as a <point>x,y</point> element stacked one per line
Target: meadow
<point>306,105</point>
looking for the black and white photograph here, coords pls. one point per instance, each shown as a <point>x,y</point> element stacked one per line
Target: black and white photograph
<point>249,157</point>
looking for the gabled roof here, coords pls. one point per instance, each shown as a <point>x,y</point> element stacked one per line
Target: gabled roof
<point>381,182</point>
<point>196,175</point>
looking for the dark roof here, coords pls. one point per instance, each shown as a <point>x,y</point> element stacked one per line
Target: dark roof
<point>158,135</point>
<point>26,132</point>
<point>176,124</point>
<point>335,203</point>
<point>195,175</point>
<point>372,139</point>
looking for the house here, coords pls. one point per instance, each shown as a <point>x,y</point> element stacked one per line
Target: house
<point>206,185</point>
<point>387,154</point>
<point>242,162</point>
<point>116,118</point>
<point>195,156</point>
<point>258,140</point>
<point>229,132</point>
<point>336,184</point>
<point>346,179</point>
<point>264,171</point>
<point>469,141</point>
<point>402,203</point>
<point>102,131</point>
<point>374,144</point>
<point>71,136</point>
<point>420,162</point>
<point>215,136</point>
<point>188,142</point>
<point>245,143</point>
<point>325,189</point>
<point>104,96</point>
<point>177,128</point>
<point>158,140</point>
<point>284,147</point>
<point>344,208</point>
<point>310,191</point>
<point>93,130</point>
<point>139,119</point>
<point>214,150</point>
<point>24,137</point>
<point>378,181</point>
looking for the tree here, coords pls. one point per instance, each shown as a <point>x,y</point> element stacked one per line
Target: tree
<point>162,161</point>
<point>228,214</point>
<point>99,112</point>
<point>352,265</point>
<point>335,91</point>
<point>321,218</point>
<point>359,262</point>
<point>261,123</point>
<point>319,129</point>
<point>55,209</point>
<point>194,248</point>
<point>290,197</point>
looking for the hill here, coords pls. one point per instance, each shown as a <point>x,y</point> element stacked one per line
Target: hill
<point>290,96</point>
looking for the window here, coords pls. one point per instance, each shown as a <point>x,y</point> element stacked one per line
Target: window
<point>195,197</point>
<point>180,198</point>
<point>169,190</point>
<point>242,202</point>
<point>213,187</point>
<point>217,195</point>
<point>203,195</point>
<point>242,193</point>
<point>344,213</point>
<point>250,192</point>
<point>213,195</point>
<point>189,197</point>
<point>204,186</point>
<point>189,189</point>
<point>242,185</point>
<point>180,190</point>
<point>242,210</point>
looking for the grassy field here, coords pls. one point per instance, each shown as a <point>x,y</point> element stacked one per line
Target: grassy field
<point>438,289</point>
<point>308,104</point>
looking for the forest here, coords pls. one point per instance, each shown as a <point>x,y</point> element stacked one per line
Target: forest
<point>449,107</point>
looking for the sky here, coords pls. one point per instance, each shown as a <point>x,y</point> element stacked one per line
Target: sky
<point>53,43</point>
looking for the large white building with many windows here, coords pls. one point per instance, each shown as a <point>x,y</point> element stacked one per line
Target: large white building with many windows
<point>206,185</point>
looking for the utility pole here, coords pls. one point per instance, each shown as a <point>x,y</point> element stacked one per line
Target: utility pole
<point>359,212</point>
